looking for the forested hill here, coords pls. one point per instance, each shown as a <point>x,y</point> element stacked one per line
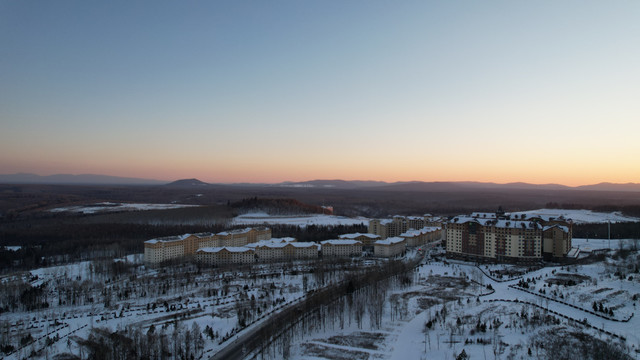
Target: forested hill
<point>275,206</point>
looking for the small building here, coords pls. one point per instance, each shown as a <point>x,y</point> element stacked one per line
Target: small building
<point>342,247</point>
<point>390,247</point>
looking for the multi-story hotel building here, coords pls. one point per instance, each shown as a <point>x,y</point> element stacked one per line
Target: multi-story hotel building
<point>390,247</point>
<point>173,247</point>
<point>388,227</point>
<point>422,236</point>
<point>165,248</point>
<point>242,237</point>
<point>342,247</point>
<point>400,224</point>
<point>513,238</point>
<point>496,239</point>
<point>556,240</point>
<point>557,232</point>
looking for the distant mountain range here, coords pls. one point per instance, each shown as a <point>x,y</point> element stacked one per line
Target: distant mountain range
<point>68,179</point>
<point>435,186</point>
<point>442,186</point>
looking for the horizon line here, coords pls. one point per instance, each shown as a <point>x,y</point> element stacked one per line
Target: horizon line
<point>320,179</point>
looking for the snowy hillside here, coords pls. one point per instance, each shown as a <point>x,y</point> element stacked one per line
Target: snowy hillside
<point>104,207</point>
<point>581,216</point>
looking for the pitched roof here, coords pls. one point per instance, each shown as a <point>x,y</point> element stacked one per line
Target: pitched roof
<point>356,235</point>
<point>390,241</point>
<point>234,249</point>
<point>168,239</point>
<point>340,242</point>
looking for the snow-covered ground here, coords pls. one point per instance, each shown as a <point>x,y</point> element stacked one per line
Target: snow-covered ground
<point>300,220</point>
<point>104,207</point>
<point>450,306</point>
<point>12,248</point>
<point>581,216</point>
<point>516,322</point>
<point>88,295</point>
<point>589,245</point>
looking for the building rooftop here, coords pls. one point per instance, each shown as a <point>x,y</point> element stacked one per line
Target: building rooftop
<point>424,230</point>
<point>234,249</point>
<point>167,239</point>
<point>390,241</point>
<point>563,228</point>
<point>484,215</point>
<point>284,240</point>
<point>513,224</point>
<point>340,242</point>
<point>284,244</point>
<point>356,235</point>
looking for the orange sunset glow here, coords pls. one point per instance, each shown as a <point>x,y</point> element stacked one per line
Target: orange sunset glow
<point>339,98</point>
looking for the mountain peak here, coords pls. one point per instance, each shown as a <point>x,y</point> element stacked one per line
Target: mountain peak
<point>187,183</point>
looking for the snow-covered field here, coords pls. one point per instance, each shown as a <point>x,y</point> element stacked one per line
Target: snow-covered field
<point>105,207</point>
<point>449,307</point>
<point>299,220</point>
<point>581,216</point>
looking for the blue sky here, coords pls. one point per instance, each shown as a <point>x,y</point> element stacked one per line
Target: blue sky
<point>291,90</point>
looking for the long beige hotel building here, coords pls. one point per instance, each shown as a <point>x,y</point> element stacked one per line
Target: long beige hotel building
<point>174,247</point>
<point>401,224</point>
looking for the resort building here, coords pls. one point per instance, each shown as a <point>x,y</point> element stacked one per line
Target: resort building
<point>557,233</point>
<point>422,236</point>
<point>390,247</point>
<point>342,247</point>
<point>174,247</point>
<point>163,249</point>
<point>556,241</point>
<point>267,252</point>
<point>225,255</point>
<point>516,237</point>
<point>242,237</point>
<point>400,224</point>
<point>434,221</point>
<point>388,227</point>
<point>494,239</point>
<point>484,216</point>
<point>367,240</point>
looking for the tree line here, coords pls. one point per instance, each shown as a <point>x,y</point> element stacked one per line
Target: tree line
<point>619,230</point>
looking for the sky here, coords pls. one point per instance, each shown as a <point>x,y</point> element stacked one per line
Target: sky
<point>270,91</point>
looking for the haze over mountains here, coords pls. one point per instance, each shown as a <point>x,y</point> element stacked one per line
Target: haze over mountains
<point>69,179</point>
<point>456,185</point>
<point>435,186</point>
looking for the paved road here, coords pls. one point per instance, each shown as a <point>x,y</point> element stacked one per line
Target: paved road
<point>236,349</point>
